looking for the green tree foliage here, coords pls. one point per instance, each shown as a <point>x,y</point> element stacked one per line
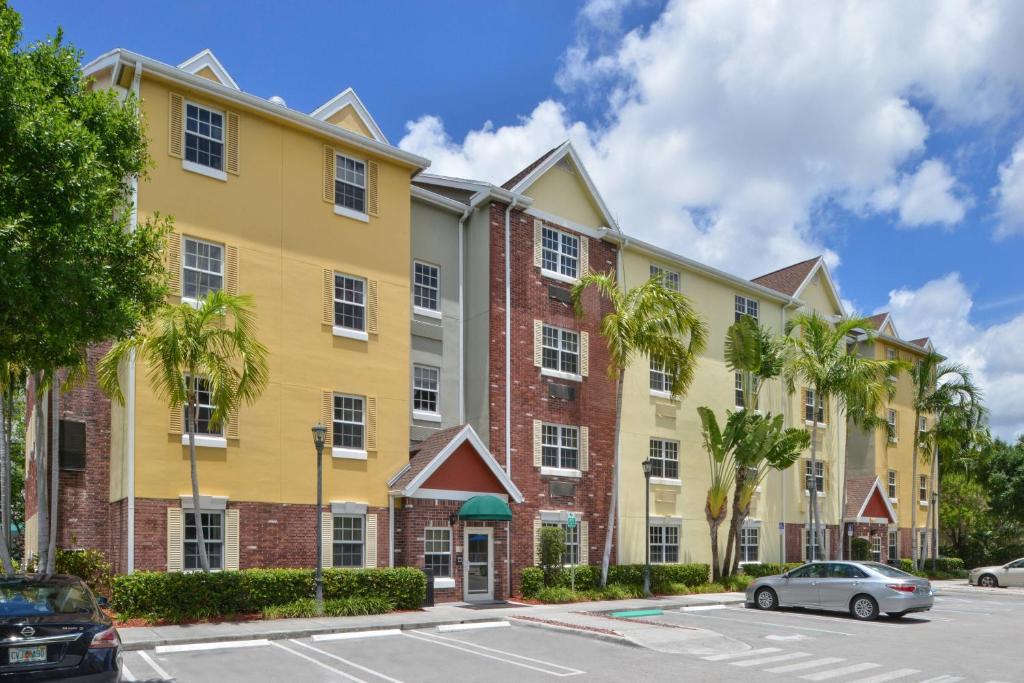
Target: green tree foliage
<point>552,552</point>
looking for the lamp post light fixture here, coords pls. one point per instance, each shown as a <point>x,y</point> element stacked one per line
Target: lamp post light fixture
<point>648,466</point>
<point>319,435</point>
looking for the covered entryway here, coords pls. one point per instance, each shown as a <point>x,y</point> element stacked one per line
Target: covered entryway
<point>478,581</point>
<point>868,515</point>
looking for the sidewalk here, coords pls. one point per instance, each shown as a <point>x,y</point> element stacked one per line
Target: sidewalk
<point>146,637</point>
<point>961,586</point>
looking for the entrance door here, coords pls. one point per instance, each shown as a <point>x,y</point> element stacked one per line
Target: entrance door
<point>479,566</point>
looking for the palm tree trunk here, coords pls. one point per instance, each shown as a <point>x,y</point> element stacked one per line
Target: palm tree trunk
<point>42,504</point>
<point>732,544</point>
<point>606,557</point>
<point>933,510</point>
<point>713,524</point>
<point>51,553</point>
<point>812,508</point>
<point>842,506</point>
<point>740,517</point>
<point>5,479</point>
<point>204,560</point>
<point>913,495</point>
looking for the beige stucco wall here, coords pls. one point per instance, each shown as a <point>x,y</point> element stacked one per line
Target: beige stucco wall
<point>563,193</point>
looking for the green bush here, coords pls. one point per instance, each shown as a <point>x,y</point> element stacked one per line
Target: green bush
<point>552,550</point>
<point>945,568</point>
<point>531,582</point>
<point>708,588</point>
<point>689,574</point>
<point>618,591</point>
<point>757,570</point>
<point>587,576</point>
<point>737,582</point>
<point>342,607</point>
<point>90,566</point>
<point>558,595</point>
<point>860,549</point>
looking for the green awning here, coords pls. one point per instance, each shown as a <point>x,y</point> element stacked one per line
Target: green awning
<point>489,508</point>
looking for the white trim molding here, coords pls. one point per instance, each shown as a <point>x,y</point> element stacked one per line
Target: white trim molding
<point>348,453</point>
<point>206,441</point>
<point>206,59</point>
<point>349,98</point>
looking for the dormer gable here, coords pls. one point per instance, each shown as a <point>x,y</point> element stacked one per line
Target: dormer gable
<point>206,65</point>
<point>347,111</point>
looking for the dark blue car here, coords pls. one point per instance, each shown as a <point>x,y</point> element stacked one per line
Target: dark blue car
<point>52,629</point>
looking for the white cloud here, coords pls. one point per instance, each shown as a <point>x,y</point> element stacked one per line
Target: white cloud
<point>729,125</point>
<point>1010,194</point>
<point>941,309</point>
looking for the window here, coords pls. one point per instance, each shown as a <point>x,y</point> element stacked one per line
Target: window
<point>892,484</point>
<point>350,184</point>
<point>426,285</point>
<point>891,420</point>
<point>922,424</point>
<point>204,409</point>
<point>669,278</point>
<point>894,540</point>
<point>348,541</point>
<point>922,544</point>
<point>349,422</point>
<point>204,136</point>
<point>660,380</point>
<point>572,541</point>
<point>890,354</point>
<point>922,489</point>
<point>664,458</point>
<point>202,271</point>
<point>425,388</point>
<point>560,447</point>
<point>213,537</point>
<point>813,547</point>
<point>560,253</point>
<point>750,543</point>
<point>876,548</point>
<point>745,306</point>
<point>437,551</point>
<point>739,390</point>
<point>810,571</point>
<point>561,350</point>
<point>664,543</point>
<point>814,478</point>
<point>349,302</point>
<point>809,414</point>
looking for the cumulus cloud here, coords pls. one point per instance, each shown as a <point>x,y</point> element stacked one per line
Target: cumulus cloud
<point>928,196</point>
<point>941,309</point>
<point>1010,194</point>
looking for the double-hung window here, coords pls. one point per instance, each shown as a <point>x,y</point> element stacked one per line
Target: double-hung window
<point>890,419</point>
<point>572,541</point>
<point>202,269</point>
<point>213,538</point>
<point>894,545</point>
<point>561,351</point>
<point>204,136</point>
<point>425,383</point>
<point>349,303</point>
<point>745,306</point>
<point>204,409</point>
<point>350,184</point>
<point>876,548</point>
<point>560,446</point>
<point>738,383</point>
<point>669,278</point>
<point>750,543</point>
<point>813,544</point>
<point>437,551</point>
<point>664,455</point>
<point>426,286</point>
<point>922,489</point>
<point>664,540</point>
<point>349,426</point>
<point>892,485</point>
<point>814,476</point>
<point>660,380</point>
<point>349,538</point>
<point>560,253</point>
<point>810,415</point>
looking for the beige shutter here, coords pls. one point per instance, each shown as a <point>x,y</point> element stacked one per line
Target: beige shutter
<point>372,310</point>
<point>537,450</point>
<point>231,269</point>
<point>803,545</point>
<point>172,258</point>
<point>327,415</point>
<point>232,429</point>
<point>231,540</point>
<point>175,126</point>
<point>584,448</point>
<point>175,547</point>
<point>584,353</point>
<point>231,131</point>
<point>584,255</point>
<point>371,541</point>
<point>538,229</point>
<point>328,180</point>
<point>327,540</point>
<point>536,541</point>
<point>371,423</point>
<point>328,297</point>
<point>584,542</point>
<point>372,200</point>
<point>176,420</point>
<point>538,343</point>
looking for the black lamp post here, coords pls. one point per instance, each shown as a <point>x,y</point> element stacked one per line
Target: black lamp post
<point>319,435</point>
<point>647,465</point>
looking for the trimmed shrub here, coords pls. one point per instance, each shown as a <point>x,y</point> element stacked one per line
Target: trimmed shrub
<point>558,595</point>
<point>618,591</point>
<point>342,607</point>
<point>552,550</point>
<point>688,574</point>
<point>587,576</point>
<point>90,566</point>
<point>738,582</point>
<point>860,549</point>
<point>757,570</point>
<point>532,581</point>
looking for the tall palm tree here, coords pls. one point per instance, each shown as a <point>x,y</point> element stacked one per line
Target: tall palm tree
<point>213,342</point>
<point>649,320</point>
<point>720,445</point>
<point>818,357</point>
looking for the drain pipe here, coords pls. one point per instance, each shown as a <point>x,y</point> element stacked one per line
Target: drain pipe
<point>391,530</point>
<point>508,340</point>
<point>130,412</point>
<point>462,313</point>
<point>620,275</point>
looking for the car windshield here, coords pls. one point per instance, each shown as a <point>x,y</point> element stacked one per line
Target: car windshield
<point>27,597</point>
<point>886,570</point>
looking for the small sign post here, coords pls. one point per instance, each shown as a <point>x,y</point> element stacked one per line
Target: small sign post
<point>570,523</point>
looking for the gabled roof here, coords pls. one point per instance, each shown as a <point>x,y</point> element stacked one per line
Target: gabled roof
<point>859,492</point>
<point>924,342</point>
<point>349,98</point>
<point>881,320</point>
<point>793,280</point>
<point>878,319</point>
<point>515,180</point>
<point>207,60</point>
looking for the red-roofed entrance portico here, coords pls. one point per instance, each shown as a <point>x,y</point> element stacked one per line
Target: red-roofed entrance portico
<point>870,514</point>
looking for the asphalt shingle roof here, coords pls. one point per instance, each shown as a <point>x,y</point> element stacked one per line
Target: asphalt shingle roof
<point>422,453</point>
<point>787,280</point>
<point>514,180</point>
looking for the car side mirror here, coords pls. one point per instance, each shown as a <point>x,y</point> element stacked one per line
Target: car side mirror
<point>102,601</point>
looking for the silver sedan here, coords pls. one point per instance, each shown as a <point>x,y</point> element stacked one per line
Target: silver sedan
<point>864,589</point>
<point>1001,576</point>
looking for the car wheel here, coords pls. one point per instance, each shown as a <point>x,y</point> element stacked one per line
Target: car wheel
<point>988,581</point>
<point>765,598</point>
<point>864,608</point>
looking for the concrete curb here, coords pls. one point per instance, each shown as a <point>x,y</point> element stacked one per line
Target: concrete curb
<point>582,632</point>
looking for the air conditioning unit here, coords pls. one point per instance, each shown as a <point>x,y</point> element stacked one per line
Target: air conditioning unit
<point>562,489</point>
<point>565,392</point>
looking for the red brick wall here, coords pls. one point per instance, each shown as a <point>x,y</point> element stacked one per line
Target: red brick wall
<point>794,541</point>
<point>594,405</point>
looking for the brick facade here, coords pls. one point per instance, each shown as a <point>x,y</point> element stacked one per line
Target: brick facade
<point>594,405</point>
<point>795,540</point>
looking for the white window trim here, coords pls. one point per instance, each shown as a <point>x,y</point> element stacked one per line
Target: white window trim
<point>206,441</point>
<point>894,501</point>
<point>678,545</point>
<point>667,481</point>
<point>664,460</point>
<point>561,472</point>
<point>551,372</point>
<point>420,309</point>
<point>570,376</point>
<point>442,581</point>
<point>350,334</point>
<point>362,518</point>
<point>204,170</point>
<point>349,213</point>
<point>427,312</point>
<point>558,470</point>
<point>660,394</point>
<point>348,453</point>
<point>579,246</point>
<point>426,416</point>
<point>558,276</point>
<point>343,451</point>
<point>807,494</point>
<point>810,423</point>
<point>189,513</point>
<point>746,301</point>
<point>192,166</point>
<point>223,266</point>
<point>344,210</point>
<point>666,274</point>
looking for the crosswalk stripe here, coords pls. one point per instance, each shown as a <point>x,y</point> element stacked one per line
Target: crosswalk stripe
<point>890,676</point>
<point>946,678</point>
<point>842,671</point>
<point>770,660</point>
<point>805,665</point>
<point>737,655</point>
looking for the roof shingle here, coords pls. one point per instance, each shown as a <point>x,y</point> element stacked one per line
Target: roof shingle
<point>514,180</point>
<point>787,280</point>
<point>857,491</point>
<point>422,453</point>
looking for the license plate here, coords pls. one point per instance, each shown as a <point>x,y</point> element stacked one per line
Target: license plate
<point>26,655</point>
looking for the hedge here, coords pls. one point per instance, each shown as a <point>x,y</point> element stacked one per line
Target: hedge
<point>759,569</point>
<point>181,596</point>
<point>944,566</point>
<point>588,577</point>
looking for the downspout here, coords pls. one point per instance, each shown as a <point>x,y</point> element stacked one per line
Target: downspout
<point>130,411</point>
<point>462,314</point>
<point>786,398</point>
<point>391,529</point>
<point>508,340</point>
<point>620,275</point>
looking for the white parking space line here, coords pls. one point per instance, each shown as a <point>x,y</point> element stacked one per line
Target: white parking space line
<point>842,671</point>
<point>944,679</point>
<point>701,608</point>
<point>765,623</point>
<point>126,674</point>
<point>788,657</point>
<point>509,658</point>
<point>447,628</point>
<point>318,663</point>
<point>362,668</point>
<point>737,655</point>
<point>838,618</point>
<point>221,645</point>
<point>890,676</point>
<point>355,635</point>
<point>157,669</point>
<point>805,665</point>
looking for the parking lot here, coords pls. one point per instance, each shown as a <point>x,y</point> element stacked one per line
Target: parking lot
<point>967,637</point>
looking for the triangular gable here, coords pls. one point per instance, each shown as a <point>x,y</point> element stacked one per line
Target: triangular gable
<point>464,470</point>
<point>347,111</point>
<point>876,505</point>
<point>206,65</point>
<point>821,272</point>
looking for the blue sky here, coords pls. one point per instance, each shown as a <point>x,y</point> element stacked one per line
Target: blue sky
<point>601,73</point>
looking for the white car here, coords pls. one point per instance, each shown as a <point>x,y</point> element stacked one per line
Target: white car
<point>1009,574</point>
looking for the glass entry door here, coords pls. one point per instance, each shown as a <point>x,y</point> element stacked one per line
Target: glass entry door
<point>479,565</point>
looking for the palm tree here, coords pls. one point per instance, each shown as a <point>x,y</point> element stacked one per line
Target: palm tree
<point>649,320</point>
<point>720,446</point>
<point>213,342</point>
<point>817,356</point>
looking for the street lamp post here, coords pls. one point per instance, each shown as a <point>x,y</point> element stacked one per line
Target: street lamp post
<point>319,435</point>
<point>647,465</point>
